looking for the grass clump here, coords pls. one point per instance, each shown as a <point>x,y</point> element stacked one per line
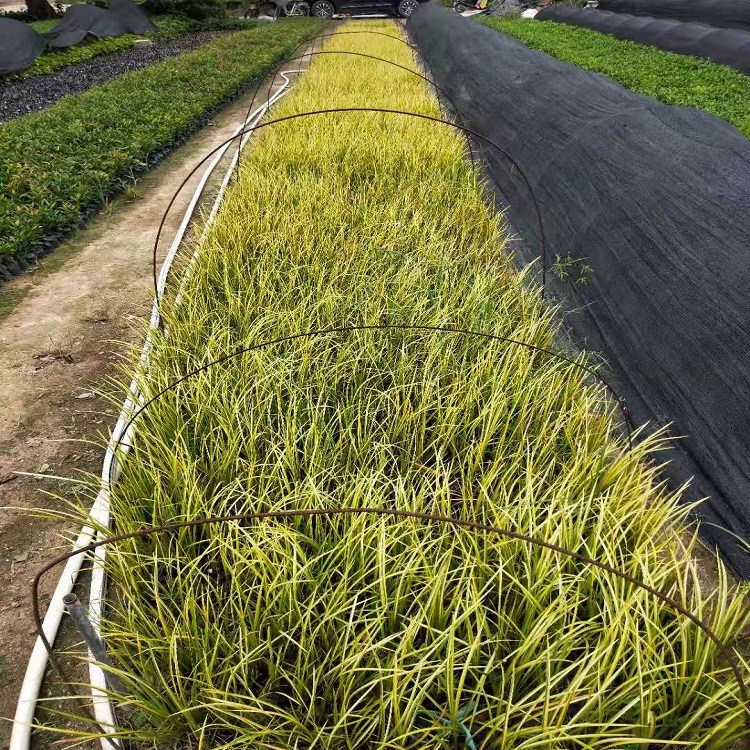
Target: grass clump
<point>61,162</point>
<point>359,632</point>
<point>673,79</point>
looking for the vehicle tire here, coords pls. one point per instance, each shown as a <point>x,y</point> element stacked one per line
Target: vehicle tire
<point>407,7</point>
<point>322,9</point>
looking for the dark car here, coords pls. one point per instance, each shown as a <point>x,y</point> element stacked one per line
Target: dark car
<point>326,8</point>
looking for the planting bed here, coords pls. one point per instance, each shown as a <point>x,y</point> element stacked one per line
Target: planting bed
<point>169,27</point>
<point>62,163</point>
<point>384,632</point>
<point>645,207</point>
<point>670,78</point>
<point>31,94</point>
<point>723,46</point>
<point>731,14</point>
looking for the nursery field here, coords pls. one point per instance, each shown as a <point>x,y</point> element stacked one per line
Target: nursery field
<point>374,630</point>
<point>58,165</point>
<point>668,77</point>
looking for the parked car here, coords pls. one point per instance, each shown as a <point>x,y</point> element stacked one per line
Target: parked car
<point>326,8</point>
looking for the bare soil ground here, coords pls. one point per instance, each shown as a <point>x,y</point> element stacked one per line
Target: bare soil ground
<point>62,329</point>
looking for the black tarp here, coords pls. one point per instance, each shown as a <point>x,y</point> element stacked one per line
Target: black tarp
<point>724,46</point>
<point>655,200</point>
<point>81,20</point>
<point>134,19</point>
<point>20,45</point>
<point>731,14</point>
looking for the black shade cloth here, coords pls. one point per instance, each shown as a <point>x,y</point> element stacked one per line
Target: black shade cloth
<point>731,14</point>
<point>20,45</point>
<point>655,200</point>
<point>81,20</point>
<point>724,46</point>
<point>133,18</point>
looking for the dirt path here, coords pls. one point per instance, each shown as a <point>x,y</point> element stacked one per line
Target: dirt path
<point>68,325</point>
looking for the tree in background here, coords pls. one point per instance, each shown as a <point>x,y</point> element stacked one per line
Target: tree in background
<point>41,10</point>
<point>197,9</point>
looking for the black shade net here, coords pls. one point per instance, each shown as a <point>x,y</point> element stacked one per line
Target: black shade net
<point>730,14</point>
<point>134,19</point>
<point>724,46</point>
<point>81,20</point>
<point>654,200</point>
<point>20,45</point>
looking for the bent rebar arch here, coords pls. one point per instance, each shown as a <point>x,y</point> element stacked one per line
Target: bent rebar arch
<point>374,327</point>
<point>725,651</point>
<point>341,110</point>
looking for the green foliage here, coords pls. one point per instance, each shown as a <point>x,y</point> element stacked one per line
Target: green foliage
<point>44,26</point>
<point>670,78</point>
<point>59,162</point>
<point>575,270</point>
<point>197,9</point>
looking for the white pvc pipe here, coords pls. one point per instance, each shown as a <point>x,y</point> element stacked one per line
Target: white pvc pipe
<point>99,514</point>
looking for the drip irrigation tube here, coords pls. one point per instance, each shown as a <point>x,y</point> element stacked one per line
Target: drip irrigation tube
<point>99,514</point>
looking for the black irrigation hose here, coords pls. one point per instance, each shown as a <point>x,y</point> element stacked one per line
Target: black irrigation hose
<point>341,110</point>
<point>726,651</point>
<point>373,327</point>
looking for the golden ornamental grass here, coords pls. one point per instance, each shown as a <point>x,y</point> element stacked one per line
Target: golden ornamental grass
<point>361,632</point>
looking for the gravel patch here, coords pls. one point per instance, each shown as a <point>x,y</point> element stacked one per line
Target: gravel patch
<point>39,92</point>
